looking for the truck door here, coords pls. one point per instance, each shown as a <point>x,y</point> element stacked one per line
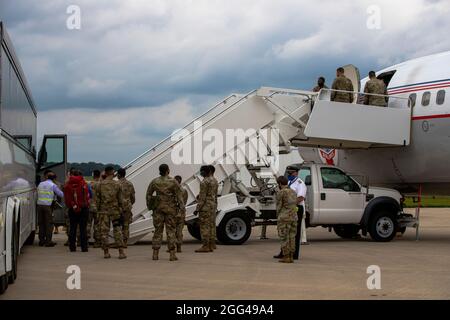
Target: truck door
<point>340,199</point>
<point>53,156</point>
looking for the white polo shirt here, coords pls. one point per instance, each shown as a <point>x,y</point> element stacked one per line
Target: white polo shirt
<point>299,187</point>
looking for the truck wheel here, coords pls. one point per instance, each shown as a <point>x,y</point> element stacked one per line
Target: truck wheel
<point>382,226</point>
<point>30,239</point>
<point>235,228</point>
<point>3,283</point>
<point>349,231</point>
<point>194,230</point>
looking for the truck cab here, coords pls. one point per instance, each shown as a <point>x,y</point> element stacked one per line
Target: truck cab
<point>337,200</point>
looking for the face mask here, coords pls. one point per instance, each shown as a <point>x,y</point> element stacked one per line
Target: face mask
<point>291,177</point>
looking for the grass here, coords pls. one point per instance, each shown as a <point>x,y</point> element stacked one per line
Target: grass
<point>428,202</point>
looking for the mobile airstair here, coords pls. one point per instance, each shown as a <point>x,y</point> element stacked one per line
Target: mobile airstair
<point>291,118</point>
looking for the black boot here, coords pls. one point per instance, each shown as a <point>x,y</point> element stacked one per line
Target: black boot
<point>279,256</point>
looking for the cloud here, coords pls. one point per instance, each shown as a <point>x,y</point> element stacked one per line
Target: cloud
<point>138,53</point>
<point>115,135</point>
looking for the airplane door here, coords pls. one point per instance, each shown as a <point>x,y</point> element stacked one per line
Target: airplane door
<point>341,198</point>
<point>352,73</point>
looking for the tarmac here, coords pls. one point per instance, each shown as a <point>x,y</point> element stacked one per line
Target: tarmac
<point>330,268</point>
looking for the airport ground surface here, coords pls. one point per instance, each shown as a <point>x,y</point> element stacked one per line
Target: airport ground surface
<point>331,268</point>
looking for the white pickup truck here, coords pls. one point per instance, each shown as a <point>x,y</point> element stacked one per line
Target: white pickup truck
<point>335,200</point>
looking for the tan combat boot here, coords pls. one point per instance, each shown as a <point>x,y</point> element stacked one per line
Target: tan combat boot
<point>122,254</point>
<point>291,258</point>
<point>213,245</point>
<point>204,248</point>
<point>155,254</point>
<point>287,258</point>
<point>173,257</point>
<point>106,254</point>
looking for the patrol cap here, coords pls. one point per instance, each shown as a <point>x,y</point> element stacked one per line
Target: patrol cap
<point>292,168</point>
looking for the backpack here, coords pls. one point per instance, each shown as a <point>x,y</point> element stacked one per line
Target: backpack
<point>80,196</point>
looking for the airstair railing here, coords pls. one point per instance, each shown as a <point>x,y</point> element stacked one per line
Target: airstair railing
<point>325,95</point>
<point>192,132</point>
<point>286,112</point>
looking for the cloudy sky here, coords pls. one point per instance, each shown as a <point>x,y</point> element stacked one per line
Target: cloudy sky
<point>138,69</point>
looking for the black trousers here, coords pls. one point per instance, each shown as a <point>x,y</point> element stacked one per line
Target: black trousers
<point>299,232</point>
<point>78,219</point>
<point>45,220</point>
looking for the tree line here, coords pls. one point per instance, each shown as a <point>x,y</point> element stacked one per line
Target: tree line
<point>88,167</point>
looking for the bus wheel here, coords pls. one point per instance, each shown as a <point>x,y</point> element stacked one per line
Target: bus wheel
<point>3,283</point>
<point>15,254</point>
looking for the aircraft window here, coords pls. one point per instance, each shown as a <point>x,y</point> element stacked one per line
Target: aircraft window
<point>412,98</point>
<point>440,97</point>
<point>426,98</point>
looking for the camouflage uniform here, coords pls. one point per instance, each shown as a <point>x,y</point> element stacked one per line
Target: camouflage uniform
<point>181,217</point>
<point>128,196</point>
<point>109,206</point>
<point>375,86</point>
<point>168,193</point>
<point>205,206</point>
<point>287,219</point>
<point>215,186</point>
<point>342,83</point>
<point>93,214</point>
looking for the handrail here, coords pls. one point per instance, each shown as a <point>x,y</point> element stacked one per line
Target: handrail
<point>230,106</point>
<point>190,123</point>
<point>292,93</point>
<point>286,112</point>
<point>362,94</point>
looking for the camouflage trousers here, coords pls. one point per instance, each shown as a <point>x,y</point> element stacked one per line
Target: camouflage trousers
<point>105,220</point>
<point>93,223</point>
<point>127,218</point>
<point>204,218</point>
<point>161,219</point>
<point>212,237</point>
<point>179,228</point>
<point>286,233</point>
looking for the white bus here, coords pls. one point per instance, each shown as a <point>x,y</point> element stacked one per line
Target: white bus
<point>18,161</point>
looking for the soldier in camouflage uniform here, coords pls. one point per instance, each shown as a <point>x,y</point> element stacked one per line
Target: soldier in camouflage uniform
<point>206,203</point>
<point>215,186</point>
<point>286,219</point>
<point>181,217</point>
<point>109,206</point>
<point>93,213</point>
<point>168,203</point>
<point>128,196</point>
<point>375,86</point>
<point>342,83</point>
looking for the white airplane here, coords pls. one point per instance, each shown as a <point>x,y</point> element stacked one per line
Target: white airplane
<point>425,161</point>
